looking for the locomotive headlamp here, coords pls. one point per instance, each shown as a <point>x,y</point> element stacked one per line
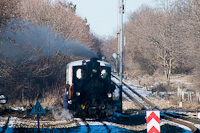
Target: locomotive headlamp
<point>78,93</point>
<point>70,101</point>
<point>103,74</point>
<point>94,70</point>
<point>109,95</point>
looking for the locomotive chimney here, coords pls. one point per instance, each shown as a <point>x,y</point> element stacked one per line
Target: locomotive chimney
<point>93,59</point>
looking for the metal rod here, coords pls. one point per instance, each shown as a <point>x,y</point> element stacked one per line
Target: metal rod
<point>29,86</point>
<point>38,117</point>
<point>121,50</point>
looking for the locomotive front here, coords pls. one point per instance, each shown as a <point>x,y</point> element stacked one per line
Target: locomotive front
<point>90,91</point>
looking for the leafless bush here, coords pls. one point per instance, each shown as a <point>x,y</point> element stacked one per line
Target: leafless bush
<point>27,72</point>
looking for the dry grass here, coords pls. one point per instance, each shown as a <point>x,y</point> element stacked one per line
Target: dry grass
<point>48,100</point>
<point>186,82</point>
<point>51,101</point>
<point>126,105</point>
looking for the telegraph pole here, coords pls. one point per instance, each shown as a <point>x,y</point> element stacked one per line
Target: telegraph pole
<point>121,49</point>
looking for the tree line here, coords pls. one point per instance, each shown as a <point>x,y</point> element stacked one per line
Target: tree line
<point>162,39</point>
<point>31,31</point>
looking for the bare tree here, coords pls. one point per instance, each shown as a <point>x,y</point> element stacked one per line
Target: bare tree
<point>61,17</point>
<point>158,37</point>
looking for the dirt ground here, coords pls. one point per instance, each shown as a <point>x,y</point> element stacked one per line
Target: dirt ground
<point>169,100</point>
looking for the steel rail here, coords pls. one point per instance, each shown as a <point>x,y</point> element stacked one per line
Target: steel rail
<point>6,125</point>
<point>132,98</point>
<point>143,98</point>
<point>170,117</point>
<point>100,121</point>
<point>105,126</point>
<point>173,119</point>
<point>195,121</point>
<point>86,124</point>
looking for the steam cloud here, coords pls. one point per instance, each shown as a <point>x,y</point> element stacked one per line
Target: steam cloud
<point>60,114</point>
<point>38,40</point>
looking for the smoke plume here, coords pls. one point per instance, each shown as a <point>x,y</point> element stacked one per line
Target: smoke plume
<point>22,39</point>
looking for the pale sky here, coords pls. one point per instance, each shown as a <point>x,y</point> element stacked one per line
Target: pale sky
<point>103,15</point>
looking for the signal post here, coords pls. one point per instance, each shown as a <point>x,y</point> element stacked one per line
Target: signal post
<point>121,8</point>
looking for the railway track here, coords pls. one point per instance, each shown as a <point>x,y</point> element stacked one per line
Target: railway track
<point>87,125</point>
<point>143,102</point>
<point>6,125</point>
<point>91,125</point>
<point>150,106</point>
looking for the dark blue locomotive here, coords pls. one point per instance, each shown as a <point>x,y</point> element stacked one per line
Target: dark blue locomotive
<point>89,89</point>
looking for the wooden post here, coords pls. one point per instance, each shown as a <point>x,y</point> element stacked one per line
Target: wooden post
<point>183,95</point>
<point>190,96</point>
<point>197,95</point>
<point>178,91</point>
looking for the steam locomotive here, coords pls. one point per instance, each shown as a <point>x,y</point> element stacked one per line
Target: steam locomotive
<point>89,90</point>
